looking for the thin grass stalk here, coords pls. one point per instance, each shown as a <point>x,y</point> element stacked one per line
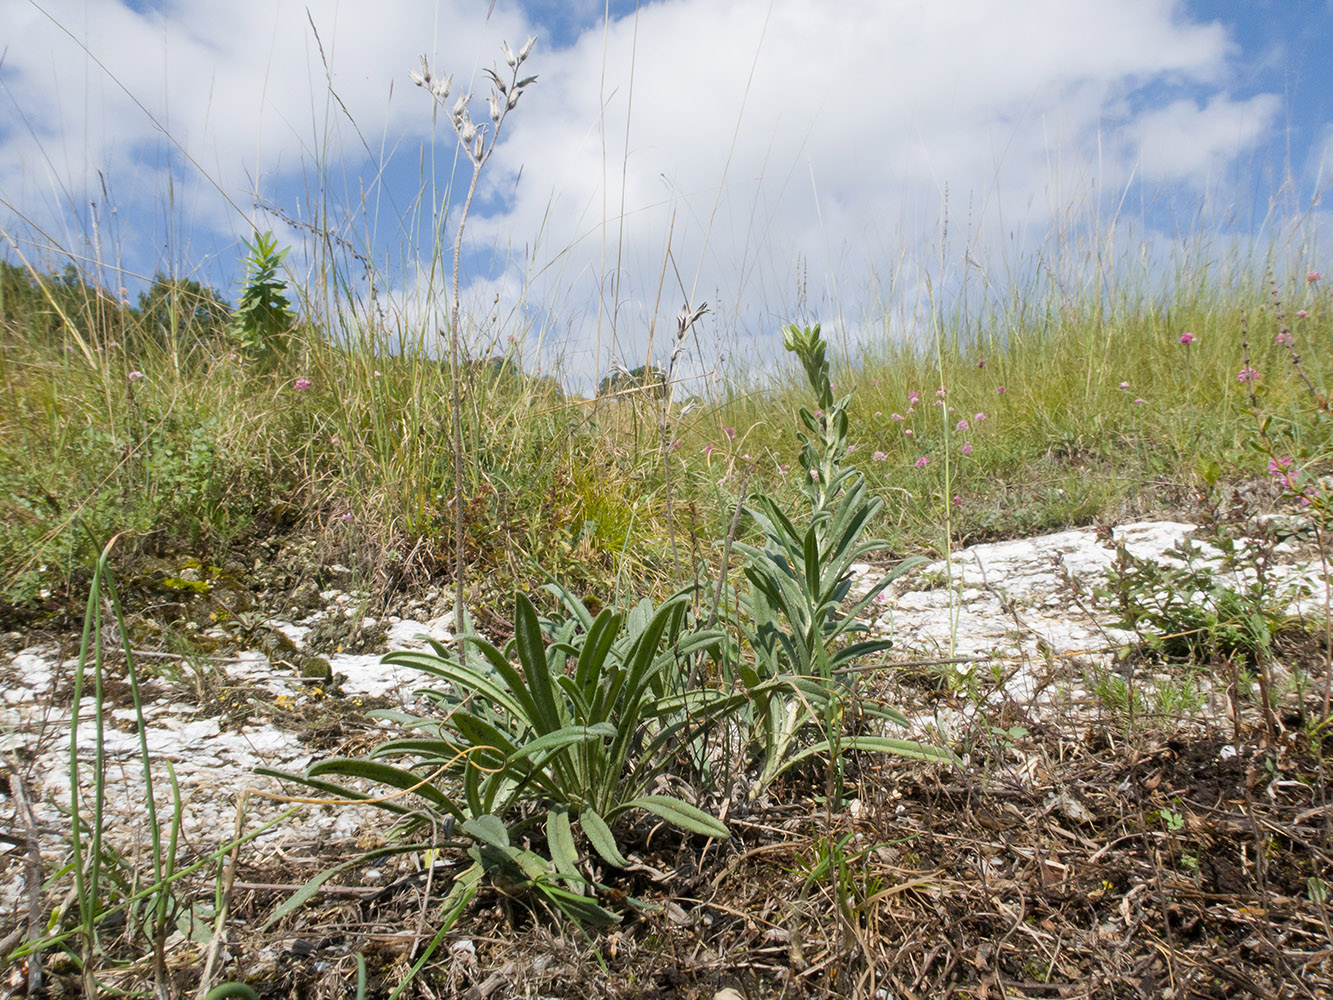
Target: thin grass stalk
<point>140,895</point>
<point>155,832</point>
<point>169,866</point>
<point>84,885</point>
<point>222,898</point>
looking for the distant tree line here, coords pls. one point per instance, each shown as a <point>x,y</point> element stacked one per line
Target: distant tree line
<point>649,382</point>
<point>179,312</point>
<point>172,309</point>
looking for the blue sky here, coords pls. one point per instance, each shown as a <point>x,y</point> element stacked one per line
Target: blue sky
<point>776,158</point>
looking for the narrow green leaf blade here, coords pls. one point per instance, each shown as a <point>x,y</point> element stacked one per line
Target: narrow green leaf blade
<point>681,814</point>
<point>600,837</point>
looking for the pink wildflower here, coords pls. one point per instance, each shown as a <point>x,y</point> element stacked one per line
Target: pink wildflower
<point>922,462</point>
<point>1283,337</point>
<point>895,416</point>
<point>302,384</point>
<point>1312,277</point>
<point>961,426</point>
<point>730,433</point>
<point>1124,385</point>
<point>907,431</point>
<point>1302,313</point>
<point>978,417</point>
<point>1247,374</point>
<point>709,449</point>
<point>914,397</point>
<point>1001,391</point>
<point>957,500</point>
<point>1140,401</point>
<point>136,376</point>
<point>880,456</point>
<point>967,448</point>
<point>1187,338</point>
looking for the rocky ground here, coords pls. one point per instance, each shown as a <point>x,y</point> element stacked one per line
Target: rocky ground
<point>1121,821</point>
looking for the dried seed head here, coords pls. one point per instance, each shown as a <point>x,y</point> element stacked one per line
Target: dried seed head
<point>459,107</point>
<point>524,82</point>
<point>441,88</point>
<point>467,131</point>
<point>421,77</point>
<point>497,107</point>
<point>478,146</point>
<point>527,48</point>
<point>513,99</point>
<point>687,317</point>
<point>509,55</point>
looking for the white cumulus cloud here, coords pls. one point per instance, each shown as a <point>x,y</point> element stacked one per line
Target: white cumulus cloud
<point>769,156</point>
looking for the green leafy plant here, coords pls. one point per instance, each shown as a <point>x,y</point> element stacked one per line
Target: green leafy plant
<point>566,741</point>
<point>795,613</point>
<point>1185,612</point>
<point>263,319</point>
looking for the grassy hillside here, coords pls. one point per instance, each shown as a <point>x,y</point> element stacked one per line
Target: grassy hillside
<point>155,419</point>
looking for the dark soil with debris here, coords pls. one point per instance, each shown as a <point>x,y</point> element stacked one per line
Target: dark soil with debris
<point>1092,864</point>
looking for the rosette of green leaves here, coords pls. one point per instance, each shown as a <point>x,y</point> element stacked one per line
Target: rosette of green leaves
<point>555,738</point>
<point>795,613</point>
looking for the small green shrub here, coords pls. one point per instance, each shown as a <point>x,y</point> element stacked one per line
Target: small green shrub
<point>1184,612</point>
<point>263,319</point>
